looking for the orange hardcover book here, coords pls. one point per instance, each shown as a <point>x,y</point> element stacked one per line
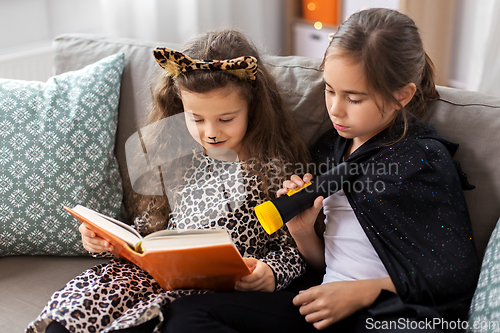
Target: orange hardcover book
<point>199,258</point>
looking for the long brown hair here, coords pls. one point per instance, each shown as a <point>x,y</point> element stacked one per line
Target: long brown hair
<point>387,44</point>
<point>271,130</point>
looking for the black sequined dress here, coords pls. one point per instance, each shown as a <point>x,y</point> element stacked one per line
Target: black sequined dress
<point>409,200</point>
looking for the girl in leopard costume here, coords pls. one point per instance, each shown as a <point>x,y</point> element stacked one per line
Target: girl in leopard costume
<point>229,106</point>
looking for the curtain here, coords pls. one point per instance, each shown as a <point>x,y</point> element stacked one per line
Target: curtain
<point>484,65</point>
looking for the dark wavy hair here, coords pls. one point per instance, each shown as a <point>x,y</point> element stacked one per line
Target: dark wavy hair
<point>271,132</point>
<point>388,46</point>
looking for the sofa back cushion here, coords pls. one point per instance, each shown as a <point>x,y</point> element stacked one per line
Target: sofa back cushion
<point>472,120</point>
<point>468,118</point>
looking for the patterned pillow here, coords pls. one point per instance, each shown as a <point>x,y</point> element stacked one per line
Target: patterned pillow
<point>57,148</point>
<point>484,314</point>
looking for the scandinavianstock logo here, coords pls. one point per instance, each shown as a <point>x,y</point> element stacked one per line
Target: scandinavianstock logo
<point>357,177</point>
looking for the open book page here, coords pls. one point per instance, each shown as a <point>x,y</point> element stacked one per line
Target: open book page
<point>115,227</point>
<point>159,240</point>
<point>184,239</point>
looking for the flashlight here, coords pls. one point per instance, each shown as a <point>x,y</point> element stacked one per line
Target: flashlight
<point>274,213</point>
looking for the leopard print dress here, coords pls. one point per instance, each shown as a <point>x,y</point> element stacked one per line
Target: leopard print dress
<point>213,194</point>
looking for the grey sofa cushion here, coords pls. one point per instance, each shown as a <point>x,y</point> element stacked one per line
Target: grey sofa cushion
<point>301,84</point>
<point>472,120</point>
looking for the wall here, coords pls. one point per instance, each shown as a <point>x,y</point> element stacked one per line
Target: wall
<point>461,45</point>
<point>34,24</point>
<point>28,28</point>
<point>30,21</point>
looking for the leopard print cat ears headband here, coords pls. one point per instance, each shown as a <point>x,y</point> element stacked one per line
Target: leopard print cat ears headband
<point>175,63</point>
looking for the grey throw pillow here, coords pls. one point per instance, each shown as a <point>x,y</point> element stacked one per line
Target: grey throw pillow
<point>57,148</point>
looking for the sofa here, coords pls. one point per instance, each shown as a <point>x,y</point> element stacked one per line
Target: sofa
<point>27,279</point>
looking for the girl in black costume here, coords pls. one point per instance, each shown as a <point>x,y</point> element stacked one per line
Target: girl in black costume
<point>397,252</point>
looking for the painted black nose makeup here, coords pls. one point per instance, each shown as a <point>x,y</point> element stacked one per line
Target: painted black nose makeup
<point>212,138</point>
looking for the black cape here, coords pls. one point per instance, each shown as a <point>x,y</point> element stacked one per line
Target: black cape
<point>408,198</point>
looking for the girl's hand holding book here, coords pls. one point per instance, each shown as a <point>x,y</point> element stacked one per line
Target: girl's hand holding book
<point>93,243</point>
<point>261,279</point>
